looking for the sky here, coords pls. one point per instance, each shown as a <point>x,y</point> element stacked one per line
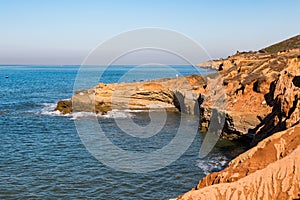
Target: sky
<point>66,31</point>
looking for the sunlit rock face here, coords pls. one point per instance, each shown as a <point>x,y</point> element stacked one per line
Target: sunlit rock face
<point>271,170</point>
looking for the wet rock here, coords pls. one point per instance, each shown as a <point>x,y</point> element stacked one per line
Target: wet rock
<point>64,106</point>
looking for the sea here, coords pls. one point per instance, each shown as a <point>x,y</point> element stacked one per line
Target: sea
<point>43,157</point>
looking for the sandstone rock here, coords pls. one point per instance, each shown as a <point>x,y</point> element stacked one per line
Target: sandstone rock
<point>257,94</point>
<point>170,94</point>
<point>261,93</point>
<point>271,170</point>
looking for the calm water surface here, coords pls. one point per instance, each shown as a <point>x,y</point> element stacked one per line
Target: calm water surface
<point>42,156</point>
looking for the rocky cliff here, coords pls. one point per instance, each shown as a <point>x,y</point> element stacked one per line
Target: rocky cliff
<point>271,170</point>
<point>262,93</point>
<point>260,90</point>
<point>179,94</point>
<point>261,96</point>
<point>263,103</point>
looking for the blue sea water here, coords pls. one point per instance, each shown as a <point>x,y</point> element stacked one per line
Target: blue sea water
<point>42,156</point>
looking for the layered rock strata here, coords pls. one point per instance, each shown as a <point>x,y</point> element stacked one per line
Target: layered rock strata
<point>180,94</point>
<point>271,170</point>
<point>262,93</point>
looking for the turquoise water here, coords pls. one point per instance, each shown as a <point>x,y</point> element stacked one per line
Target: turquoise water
<point>42,156</point>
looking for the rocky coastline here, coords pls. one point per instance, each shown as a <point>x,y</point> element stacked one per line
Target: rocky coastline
<point>263,93</point>
<point>262,109</point>
<point>270,170</point>
<point>178,95</point>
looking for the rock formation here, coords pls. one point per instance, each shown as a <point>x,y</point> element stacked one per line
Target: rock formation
<point>258,94</point>
<point>180,94</point>
<point>271,170</point>
<point>263,103</point>
<point>262,93</point>
<point>260,90</point>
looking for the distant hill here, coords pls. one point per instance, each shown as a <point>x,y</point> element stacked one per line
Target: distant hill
<point>291,43</point>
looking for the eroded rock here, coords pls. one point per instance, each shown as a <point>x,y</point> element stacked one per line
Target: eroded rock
<point>271,170</point>
<point>170,94</point>
<point>262,96</point>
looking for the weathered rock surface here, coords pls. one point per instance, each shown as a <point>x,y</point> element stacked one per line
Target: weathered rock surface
<point>276,147</point>
<point>262,93</point>
<point>64,106</point>
<point>263,102</point>
<point>180,94</point>
<point>271,170</point>
<point>258,93</point>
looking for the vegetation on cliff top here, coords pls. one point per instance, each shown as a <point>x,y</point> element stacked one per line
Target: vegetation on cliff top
<point>291,43</point>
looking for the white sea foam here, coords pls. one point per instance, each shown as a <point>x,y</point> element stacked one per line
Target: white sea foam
<point>117,114</point>
<point>113,114</point>
<point>48,109</point>
<point>81,115</point>
<point>213,163</point>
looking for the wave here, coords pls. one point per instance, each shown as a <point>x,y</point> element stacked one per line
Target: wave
<point>117,114</point>
<point>48,109</point>
<point>113,114</point>
<point>213,163</point>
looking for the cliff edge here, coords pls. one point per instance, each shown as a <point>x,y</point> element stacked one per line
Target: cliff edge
<point>262,93</point>
<point>260,90</point>
<point>263,98</point>
<point>271,170</point>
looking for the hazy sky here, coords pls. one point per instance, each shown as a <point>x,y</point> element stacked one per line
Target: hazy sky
<point>65,31</point>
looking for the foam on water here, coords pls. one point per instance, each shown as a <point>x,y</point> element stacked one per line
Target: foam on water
<point>117,114</point>
<point>80,115</point>
<point>48,109</point>
<point>113,114</point>
<point>213,163</point>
